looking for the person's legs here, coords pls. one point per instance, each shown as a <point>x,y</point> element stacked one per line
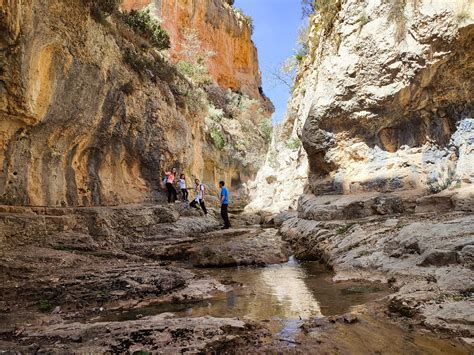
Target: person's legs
<point>185,194</point>
<point>175,193</point>
<point>203,206</point>
<point>225,215</point>
<point>194,204</point>
<point>169,187</point>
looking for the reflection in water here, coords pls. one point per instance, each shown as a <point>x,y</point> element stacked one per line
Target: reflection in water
<point>289,292</point>
<point>286,284</point>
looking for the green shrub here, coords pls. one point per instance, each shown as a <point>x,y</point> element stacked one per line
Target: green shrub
<point>266,128</point>
<point>44,306</point>
<point>196,71</point>
<point>108,7</point>
<point>326,12</point>
<point>294,143</point>
<point>194,58</point>
<point>146,26</point>
<point>127,88</point>
<point>217,138</point>
<point>137,62</point>
<point>434,186</point>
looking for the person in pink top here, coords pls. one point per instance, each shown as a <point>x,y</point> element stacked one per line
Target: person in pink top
<point>172,194</point>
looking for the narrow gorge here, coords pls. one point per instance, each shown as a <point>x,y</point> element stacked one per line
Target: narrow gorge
<point>352,218</point>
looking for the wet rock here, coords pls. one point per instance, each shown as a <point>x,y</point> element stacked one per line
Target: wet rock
<point>456,316</point>
<point>428,255</point>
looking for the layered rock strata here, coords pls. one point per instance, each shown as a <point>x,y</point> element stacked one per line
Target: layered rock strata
<point>90,115</point>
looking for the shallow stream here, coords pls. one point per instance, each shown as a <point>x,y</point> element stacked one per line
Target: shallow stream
<point>290,291</point>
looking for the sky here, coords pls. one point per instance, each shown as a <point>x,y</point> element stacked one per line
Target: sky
<point>276,28</point>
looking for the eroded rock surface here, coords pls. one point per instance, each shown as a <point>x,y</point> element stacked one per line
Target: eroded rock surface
<point>382,102</point>
<point>428,256</point>
<point>63,268</point>
<point>91,115</point>
<point>184,335</point>
<point>239,247</point>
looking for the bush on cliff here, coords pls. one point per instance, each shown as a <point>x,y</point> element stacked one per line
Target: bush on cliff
<point>248,20</point>
<point>266,128</point>
<point>217,138</point>
<point>293,144</point>
<point>146,26</point>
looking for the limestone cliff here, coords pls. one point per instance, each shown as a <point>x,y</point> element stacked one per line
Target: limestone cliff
<point>383,99</point>
<point>91,115</point>
<point>223,30</point>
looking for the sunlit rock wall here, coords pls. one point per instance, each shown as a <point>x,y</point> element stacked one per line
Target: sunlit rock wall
<point>380,95</point>
<point>79,126</point>
<point>222,30</point>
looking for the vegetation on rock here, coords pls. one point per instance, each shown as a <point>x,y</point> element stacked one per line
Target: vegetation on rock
<point>145,25</point>
<point>194,62</point>
<point>294,143</point>
<point>217,138</point>
<point>247,19</point>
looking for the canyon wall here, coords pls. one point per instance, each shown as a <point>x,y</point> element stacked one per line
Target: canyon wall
<point>383,100</point>
<point>223,30</point>
<point>91,115</point>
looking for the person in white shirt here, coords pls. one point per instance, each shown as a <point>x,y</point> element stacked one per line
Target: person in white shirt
<point>182,187</point>
<point>199,189</point>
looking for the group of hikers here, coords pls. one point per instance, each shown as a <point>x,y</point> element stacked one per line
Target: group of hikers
<point>169,181</point>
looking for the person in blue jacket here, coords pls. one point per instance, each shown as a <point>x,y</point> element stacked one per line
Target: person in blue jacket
<point>224,205</point>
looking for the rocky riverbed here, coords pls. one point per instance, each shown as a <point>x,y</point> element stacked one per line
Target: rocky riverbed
<point>160,278</point>
<point>426,256</point>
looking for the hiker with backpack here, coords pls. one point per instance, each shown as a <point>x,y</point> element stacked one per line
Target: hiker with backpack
<point>169,181</point>
<point>199,189</point>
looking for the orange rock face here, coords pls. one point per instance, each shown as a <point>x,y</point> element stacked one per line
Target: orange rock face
<point>220,29</point>
<point>128,5</point>
<point>86,120</point>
